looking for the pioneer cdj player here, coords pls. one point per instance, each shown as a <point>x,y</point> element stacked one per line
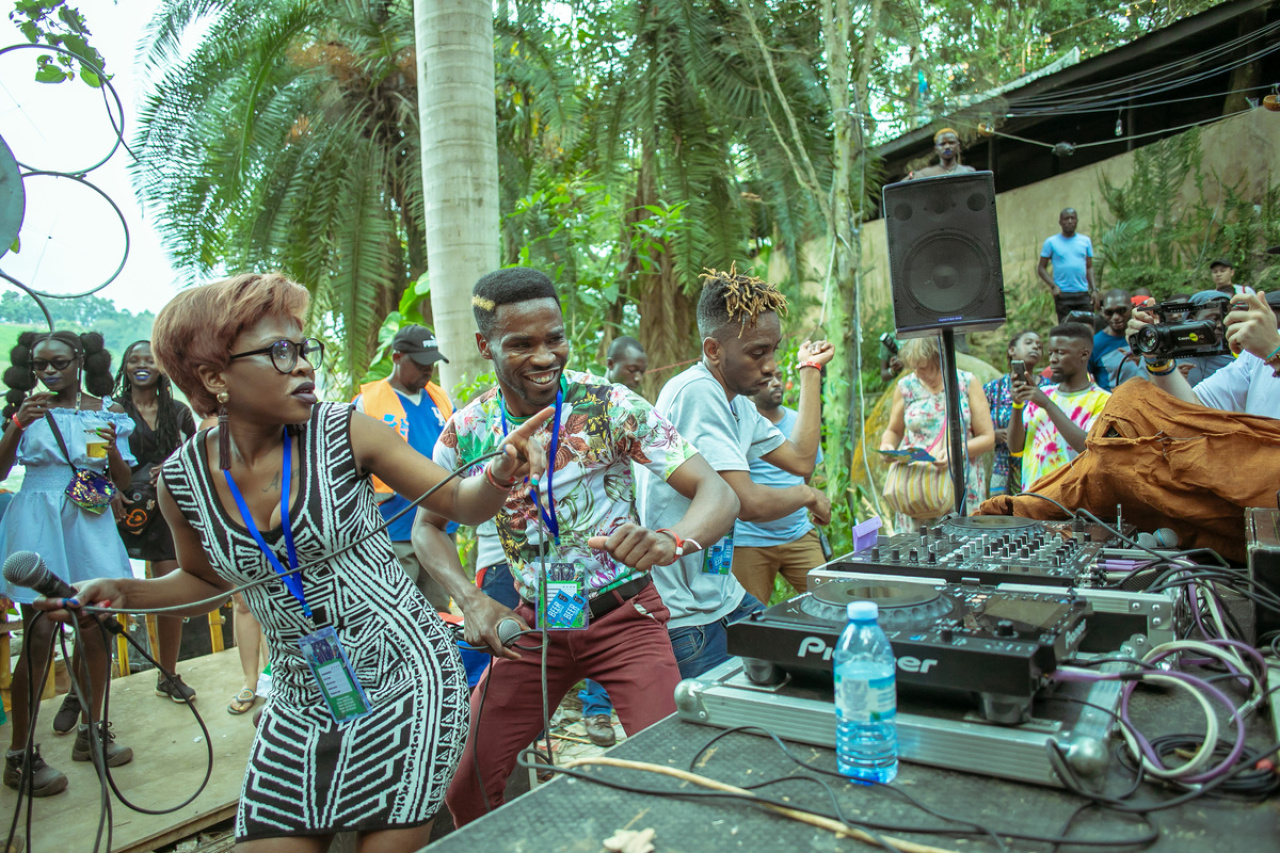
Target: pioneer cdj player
<point>955,638</point>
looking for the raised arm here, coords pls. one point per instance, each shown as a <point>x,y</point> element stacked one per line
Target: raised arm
<point>798,454</point>
<point>469,500</point>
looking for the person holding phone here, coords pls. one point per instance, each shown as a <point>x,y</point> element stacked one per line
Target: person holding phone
<point>1023,355</point>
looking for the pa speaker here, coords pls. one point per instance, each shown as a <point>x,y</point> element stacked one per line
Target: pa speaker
<point>944,254</point>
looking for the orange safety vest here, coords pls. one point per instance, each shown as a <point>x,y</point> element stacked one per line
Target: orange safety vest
<point>382,402</point>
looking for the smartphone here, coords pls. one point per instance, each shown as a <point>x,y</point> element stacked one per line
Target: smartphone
<point>1018,368</point>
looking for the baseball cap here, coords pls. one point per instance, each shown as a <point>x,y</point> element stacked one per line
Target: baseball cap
<point>419,343</point>
<point>1222,262</point>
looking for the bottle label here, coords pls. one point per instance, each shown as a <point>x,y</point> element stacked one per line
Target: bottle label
<point>859,700</point>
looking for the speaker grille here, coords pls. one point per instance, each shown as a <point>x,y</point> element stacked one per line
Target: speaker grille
<point>947,273</point>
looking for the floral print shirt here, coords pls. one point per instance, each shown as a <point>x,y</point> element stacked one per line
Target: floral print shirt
<point>603,429</point>
<point>1046,450</point>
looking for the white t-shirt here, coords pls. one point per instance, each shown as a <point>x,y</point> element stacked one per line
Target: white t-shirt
<point>1246,385</point>
<point>729,435</point>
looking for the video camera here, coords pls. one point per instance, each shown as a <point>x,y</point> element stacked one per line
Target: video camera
<point>1177,333</point>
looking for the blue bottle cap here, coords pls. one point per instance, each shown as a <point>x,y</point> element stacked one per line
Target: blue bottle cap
<point>863,610</point>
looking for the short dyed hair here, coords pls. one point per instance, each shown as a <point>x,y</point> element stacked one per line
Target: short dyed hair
<point>507,287</point>
<point>197,327</point>
<point>734,297</point>
<point>623,344</point>
<point>915,353</point>
<point>1079,331</point>
<point>938,135</point>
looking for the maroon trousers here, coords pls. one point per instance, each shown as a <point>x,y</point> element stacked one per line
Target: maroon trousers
<point>627,650</point>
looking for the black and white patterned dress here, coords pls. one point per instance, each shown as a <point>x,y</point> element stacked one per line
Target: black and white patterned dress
<point>306,774</point>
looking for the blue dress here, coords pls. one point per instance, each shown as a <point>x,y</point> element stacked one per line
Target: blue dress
<point>77,545</point>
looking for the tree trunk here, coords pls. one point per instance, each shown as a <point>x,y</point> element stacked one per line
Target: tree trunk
<point>459,168</point>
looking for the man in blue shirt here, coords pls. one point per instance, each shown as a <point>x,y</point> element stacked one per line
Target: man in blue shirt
<point>414,406</point>
<point>789,544</point>
<point>1072,283</point>
<point>1112,361</point>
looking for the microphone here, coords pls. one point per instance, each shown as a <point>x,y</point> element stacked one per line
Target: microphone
<point>1162,538</point>
<point>27,569</point>
<point>507,630</point>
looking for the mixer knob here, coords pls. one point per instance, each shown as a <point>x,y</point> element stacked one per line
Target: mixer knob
<point>1004,628</point>
<point>1025,553</point>
<point>875,553</point>
<point>914,556</point>
<point>946,634</point>
<point>933,558</point>
<point>895,555</point>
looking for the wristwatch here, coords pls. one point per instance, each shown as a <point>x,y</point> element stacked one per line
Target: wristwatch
<point>683,546</point>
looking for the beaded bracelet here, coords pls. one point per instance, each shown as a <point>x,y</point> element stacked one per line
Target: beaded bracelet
<point>1275,368</point>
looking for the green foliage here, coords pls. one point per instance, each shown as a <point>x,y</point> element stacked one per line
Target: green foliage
<point>287,138</point>
<point>1163,231</point>
<point>119,328</point>
<point>54,23</point>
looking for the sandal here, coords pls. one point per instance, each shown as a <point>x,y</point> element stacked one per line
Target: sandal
<point>242,701</point>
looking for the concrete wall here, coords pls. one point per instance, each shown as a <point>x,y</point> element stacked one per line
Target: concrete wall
<point>1244,149</point>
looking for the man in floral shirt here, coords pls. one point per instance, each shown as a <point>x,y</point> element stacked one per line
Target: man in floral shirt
<point>581,516</point>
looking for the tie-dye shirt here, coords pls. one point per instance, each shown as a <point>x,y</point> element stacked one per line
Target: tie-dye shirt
<point>1046,450</point>
<point>603,429</point>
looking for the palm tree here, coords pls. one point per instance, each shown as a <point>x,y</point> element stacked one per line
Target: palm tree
<point>287,138</point>
<point>459,166</point>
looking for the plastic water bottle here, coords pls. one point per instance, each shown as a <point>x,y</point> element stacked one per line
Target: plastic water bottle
<point>866,699</point>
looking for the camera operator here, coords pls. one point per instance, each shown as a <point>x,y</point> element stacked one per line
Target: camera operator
<point>1250,384</point>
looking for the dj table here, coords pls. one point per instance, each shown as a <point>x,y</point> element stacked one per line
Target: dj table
<point>573,815</point>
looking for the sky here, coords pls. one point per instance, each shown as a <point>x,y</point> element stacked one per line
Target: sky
<point>71,239</point>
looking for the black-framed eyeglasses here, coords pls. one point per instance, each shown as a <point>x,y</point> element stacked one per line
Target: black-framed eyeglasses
<point>284,353</point>
<point>39,365</point>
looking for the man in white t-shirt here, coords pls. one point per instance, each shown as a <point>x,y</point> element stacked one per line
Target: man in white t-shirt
<point>710,406</point>
<point>1249,384</point>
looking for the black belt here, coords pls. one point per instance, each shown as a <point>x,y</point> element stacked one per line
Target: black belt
<point>619,595</point>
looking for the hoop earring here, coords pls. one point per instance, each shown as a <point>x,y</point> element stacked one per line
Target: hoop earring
<point>224,433</point>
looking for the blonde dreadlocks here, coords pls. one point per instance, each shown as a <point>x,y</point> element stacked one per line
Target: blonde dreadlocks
<point>737,297</point>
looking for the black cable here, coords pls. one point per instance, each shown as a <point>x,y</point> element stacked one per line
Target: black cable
<point>33,713</point>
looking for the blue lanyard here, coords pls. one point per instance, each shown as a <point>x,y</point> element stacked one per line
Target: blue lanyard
<point>550,520</point>
<point>294,581</point>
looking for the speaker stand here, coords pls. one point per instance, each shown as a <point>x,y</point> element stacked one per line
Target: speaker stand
<point>956,453</point>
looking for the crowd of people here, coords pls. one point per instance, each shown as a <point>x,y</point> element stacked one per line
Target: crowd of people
<point>584,496</point>
<point>633,533</point>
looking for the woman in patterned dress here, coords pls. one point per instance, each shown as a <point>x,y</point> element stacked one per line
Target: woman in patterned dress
<point>237,346</point>
<point>1006,470</point>
<point>918,419</point>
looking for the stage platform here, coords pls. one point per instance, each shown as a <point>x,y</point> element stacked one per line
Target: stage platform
<point>169,761</point>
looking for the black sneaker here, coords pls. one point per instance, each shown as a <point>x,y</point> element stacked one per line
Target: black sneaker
<point>45,781</point>
<point>68,715</point>
<point>175,688</point>
<point>116,755</point>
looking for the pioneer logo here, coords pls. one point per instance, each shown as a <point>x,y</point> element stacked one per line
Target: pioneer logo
<point>906,663</point>
<point>1074,635</point>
